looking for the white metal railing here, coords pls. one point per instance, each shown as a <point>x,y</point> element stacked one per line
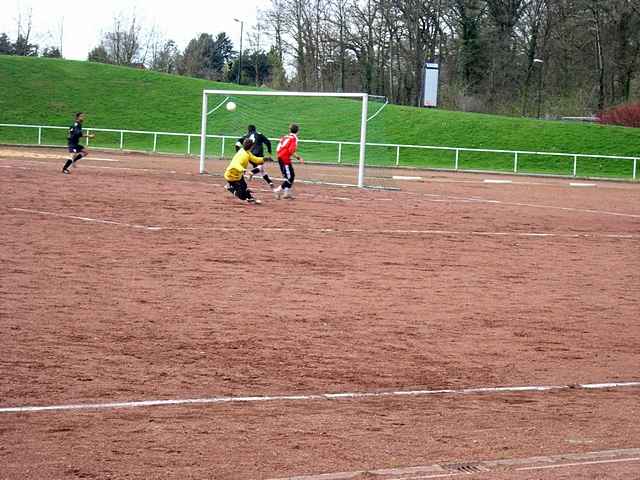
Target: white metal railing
<point>339,144</point>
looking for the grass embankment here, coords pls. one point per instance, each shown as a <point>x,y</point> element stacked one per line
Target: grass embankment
<point>40,91</point>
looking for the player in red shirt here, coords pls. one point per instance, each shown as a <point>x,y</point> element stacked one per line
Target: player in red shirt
<point>286,149</point>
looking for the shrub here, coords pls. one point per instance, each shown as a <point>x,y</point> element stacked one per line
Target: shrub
<point>626,115</point>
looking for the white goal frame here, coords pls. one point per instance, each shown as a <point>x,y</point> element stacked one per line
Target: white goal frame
<point>233,93</point>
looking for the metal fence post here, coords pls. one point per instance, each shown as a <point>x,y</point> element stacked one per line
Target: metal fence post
<point>222,150</point>
<point>155,141</point>
<point>635,168</point>
<point>457,158</point>
<point>88,133</point>
<point>340,152</point>
<point>188,144</point>
<point>39,135</point>
<point>515,162</point>
<point>575,165</point>
<point>121,139</point>
<point>397,155</point>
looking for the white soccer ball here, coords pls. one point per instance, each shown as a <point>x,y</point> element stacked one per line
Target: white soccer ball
<point>231,106</point>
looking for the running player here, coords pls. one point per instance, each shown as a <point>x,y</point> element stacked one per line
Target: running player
<point>76,150</point>
<point>234,174</point>
<point>287,148</point>
<point>259,142</point>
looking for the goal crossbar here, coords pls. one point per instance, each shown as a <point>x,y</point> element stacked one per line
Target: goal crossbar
<point>363,121</point>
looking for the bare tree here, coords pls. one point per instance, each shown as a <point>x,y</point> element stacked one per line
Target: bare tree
<point>22,47</point>
<point>622,27</point>
<point>362,41</point>
<point>504,16</point>
<point>422,32</point>
<point>486,49</point>
<point>123,42</point>
<point>595,18</point>
<point>276,19</point>
<point>466,18</point>
<point>164,56</point>
<point>339,19</point>
<point>54,39</point>
<point>60,34</point>
<point>533,31</point>
<point>255,44</point>
<point>297,25</point>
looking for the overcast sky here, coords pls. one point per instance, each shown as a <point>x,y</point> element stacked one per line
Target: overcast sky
<point>84,22</point>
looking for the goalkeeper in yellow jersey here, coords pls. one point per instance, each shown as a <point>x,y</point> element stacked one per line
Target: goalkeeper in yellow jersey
<point>234,174</point>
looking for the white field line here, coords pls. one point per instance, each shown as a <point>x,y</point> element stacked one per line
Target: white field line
<point>83,165</point>
<point>437,198</point>
<point>426,477</point>
<point>407,178</point>
<point>130,169</point>
<point>502,466</point>
<point>86,219</point>
<point>384,473</point>
<point>19,154</point>
<point>440,198</point>
<point>558,183</point>
<point>498,182</point>
<point>14,167</point>
<point>321,396</point>
<point>532,205</point>
<point>396,177</point>
<point>97,159</point>
<point>578,464</point>
<point>157,228</point>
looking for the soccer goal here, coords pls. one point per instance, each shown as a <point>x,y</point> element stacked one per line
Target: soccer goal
<point>333,126</point>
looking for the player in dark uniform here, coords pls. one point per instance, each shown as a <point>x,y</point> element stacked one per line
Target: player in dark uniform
<point>76,150</point>
<point>259,142</point>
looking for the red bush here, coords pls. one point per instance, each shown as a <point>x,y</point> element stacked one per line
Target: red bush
<point>625,115</point>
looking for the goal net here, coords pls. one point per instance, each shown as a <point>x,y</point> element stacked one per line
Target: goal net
<point>333,128</point>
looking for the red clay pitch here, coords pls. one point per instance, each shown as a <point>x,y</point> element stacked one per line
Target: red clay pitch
<point>141,280</point>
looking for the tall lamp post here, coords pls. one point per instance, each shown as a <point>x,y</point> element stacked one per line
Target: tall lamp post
<point>539,63</point>
<point>240,62</point>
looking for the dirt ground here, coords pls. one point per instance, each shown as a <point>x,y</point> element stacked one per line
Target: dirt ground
<point>134,278</point>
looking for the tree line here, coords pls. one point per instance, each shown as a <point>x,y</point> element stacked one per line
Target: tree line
<point>504,56</point>
<point>206,56</point>
<point>518,57</point>
<point>23,46</point>
<point>129,42</point>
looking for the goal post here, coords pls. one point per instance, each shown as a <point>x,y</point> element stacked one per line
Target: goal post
<point>363,97</point>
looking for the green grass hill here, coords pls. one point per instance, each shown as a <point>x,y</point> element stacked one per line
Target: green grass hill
<point>40,91</point>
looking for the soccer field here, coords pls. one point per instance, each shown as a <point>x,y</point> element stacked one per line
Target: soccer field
<point>155,327</point>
